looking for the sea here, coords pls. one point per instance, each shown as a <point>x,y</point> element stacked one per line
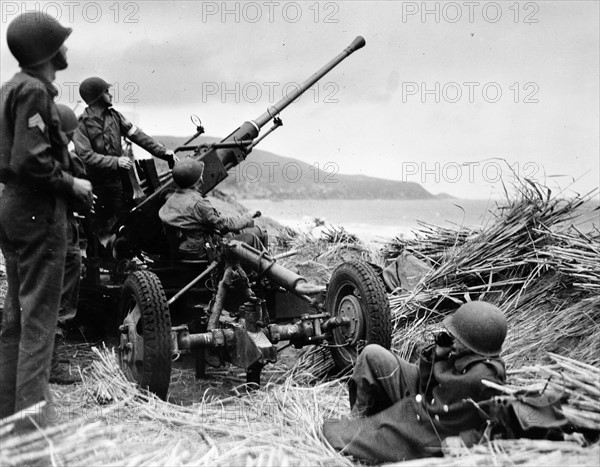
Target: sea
<point>383,220</point>
<point>375,220</point>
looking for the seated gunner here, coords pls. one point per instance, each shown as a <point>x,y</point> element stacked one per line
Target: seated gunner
<point>198,221</point>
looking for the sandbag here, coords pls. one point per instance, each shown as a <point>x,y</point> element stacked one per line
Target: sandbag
<point>404,272</point>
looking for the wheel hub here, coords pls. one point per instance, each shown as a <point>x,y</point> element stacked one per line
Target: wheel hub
<point>350,308</point>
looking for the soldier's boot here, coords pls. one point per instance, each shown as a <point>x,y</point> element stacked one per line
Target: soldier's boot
<point>60,374</point>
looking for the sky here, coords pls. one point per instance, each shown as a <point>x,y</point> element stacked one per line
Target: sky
<point>456,96</point>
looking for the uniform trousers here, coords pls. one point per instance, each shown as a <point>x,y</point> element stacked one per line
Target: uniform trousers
<point>71,278</point>
<point>33,239</point>
<point>253,236</point>
<point>379,380</point>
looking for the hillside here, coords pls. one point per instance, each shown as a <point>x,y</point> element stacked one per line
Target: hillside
<point>269,176</point>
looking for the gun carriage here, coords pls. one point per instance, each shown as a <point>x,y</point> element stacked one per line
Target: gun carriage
<point>168,306</point>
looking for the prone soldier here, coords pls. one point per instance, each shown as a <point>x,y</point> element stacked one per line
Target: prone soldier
<point>402,411</point>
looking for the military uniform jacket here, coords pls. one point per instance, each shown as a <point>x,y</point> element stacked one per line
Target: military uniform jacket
<point>33,149</point>
<point>98,142</point>
<point>416,425</point>
<point>187,210</point>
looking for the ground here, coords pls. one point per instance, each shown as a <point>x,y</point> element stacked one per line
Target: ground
<point>223,382</point>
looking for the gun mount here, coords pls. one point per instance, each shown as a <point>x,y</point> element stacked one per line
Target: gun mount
<point>238,304</point>
<point>142,226</point>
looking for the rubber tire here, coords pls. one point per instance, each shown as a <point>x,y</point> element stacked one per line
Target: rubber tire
<point>359,278</point>
<point>144,288</point>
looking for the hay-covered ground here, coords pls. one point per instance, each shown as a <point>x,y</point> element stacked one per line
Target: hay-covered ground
<point>532,258</point>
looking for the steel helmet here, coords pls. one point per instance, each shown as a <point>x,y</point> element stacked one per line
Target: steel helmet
<point>91,89</point>
<point>480,326</point>
<point>68,120</point>
<point>187,172</point>
<point>35,37</point>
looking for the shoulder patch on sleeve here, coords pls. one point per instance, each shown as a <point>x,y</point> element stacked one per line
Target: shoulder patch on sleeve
<point>129,127</point>
<point>36,121</point>
<point>132,130</point>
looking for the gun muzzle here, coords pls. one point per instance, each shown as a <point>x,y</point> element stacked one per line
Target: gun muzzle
<point>356,44</point>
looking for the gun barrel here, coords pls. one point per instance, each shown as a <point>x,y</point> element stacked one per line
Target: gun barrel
<point>358,43</point>
<point>263,264</point>
<point>233,149</point>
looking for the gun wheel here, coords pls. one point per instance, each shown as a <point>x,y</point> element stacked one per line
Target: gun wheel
<point>357,293</point>
<point>145,333</point>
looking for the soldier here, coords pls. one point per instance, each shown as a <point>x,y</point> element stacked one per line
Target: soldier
<point>33,213</point>
<point>71,278</point>
<point>98,143</point>
<point>194,215</point>
<point>402,411</point>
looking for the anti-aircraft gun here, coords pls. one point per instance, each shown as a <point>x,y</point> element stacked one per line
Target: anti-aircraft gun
<point>236,305</point>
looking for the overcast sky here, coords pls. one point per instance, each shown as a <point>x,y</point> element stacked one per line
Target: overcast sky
<point>439,85</point>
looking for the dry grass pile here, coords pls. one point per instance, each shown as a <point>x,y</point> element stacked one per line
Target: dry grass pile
<point>519,452</point>
<point>576,382</point>
<point>531,260</point>
<point>316,258</point>
<point>534,261</point>
<point>429,242</point>
<point>108,421</point>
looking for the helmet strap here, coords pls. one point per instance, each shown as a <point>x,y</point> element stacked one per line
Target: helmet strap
<point>59,60</point>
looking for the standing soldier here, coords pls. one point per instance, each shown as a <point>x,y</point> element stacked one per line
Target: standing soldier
<point>70,291</point>
<point>98,143</point>
<point>33,213</point>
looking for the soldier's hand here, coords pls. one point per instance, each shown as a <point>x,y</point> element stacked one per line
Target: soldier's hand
<point>125,163</point>
<point>452,444</point>
<point>442,352</point>
<point>171,155</point>
<point>171,158</point>
<point>82,189</point>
